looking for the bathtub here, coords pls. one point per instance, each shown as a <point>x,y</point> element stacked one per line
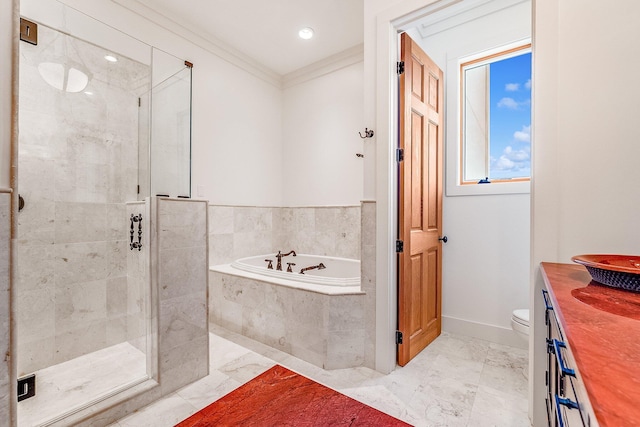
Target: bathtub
<point>318,316</point>
<point>338,271</point>
<point>340,277</point>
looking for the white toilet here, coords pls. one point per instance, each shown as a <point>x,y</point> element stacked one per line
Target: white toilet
<point>520,323</point>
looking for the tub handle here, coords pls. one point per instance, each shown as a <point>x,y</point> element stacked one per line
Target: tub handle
<point>270,265</point>
<point>289,269</point>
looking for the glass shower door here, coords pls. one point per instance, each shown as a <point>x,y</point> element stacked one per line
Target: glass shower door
<point>81,294</point>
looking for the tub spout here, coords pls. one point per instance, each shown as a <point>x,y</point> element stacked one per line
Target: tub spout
<point>319,267</point>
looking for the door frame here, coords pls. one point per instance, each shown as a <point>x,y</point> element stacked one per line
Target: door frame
<point>389,24</point>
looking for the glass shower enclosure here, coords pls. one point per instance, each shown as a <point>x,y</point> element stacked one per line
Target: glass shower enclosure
<point>92,102</point>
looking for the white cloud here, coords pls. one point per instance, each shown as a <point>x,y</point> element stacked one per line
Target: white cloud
<point>527,85</point>
<point>512,104</point>
<point>512,160</point>
<point>512,87</point>
<point>523,135</point>
<point>515,155</point>
<point>503,163</point>
<point>509,103</point>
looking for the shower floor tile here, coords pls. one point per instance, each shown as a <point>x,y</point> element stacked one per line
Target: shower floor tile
<point>456,381</point>
<point>66,386</point>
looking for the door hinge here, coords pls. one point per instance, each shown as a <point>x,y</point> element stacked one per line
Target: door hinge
<point>400,67</point>
<point>138,189</point>
<point>399,246</point>
<point>398,337</point>
<point>139,102</point>
<point>400,154</point>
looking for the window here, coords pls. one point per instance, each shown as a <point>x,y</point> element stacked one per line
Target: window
<point>496,117</point>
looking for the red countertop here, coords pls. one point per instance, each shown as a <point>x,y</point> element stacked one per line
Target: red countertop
<point>602,327</point>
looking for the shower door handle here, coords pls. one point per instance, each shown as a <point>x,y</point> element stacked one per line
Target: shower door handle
<point>136,245</point>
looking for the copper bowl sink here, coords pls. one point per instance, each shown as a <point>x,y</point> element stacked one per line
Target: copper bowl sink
<point>618,271</point>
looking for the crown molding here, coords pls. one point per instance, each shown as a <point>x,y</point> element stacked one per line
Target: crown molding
<point>332,63</point>
<point>212,45</point>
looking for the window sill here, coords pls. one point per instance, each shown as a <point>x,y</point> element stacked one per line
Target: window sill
<point>522,187</point>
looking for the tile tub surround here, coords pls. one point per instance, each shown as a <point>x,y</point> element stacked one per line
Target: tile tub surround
<point>325,330</point>
<point>368,278</point>
<point>77,167</point>
<point>241,231</point>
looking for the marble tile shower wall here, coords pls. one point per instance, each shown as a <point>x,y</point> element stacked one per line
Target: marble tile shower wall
<point>241,231</point>
<point>77,168</point>
<point>181,283</point>
<point>5,239</point>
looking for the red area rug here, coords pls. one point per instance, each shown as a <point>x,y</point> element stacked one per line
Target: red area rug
<point>280,397</point>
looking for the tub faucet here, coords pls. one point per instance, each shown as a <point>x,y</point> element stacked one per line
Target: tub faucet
<point>319,267</point>
<point>280,255</point>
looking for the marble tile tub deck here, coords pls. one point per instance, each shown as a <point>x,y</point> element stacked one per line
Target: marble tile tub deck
<point>456,381</point>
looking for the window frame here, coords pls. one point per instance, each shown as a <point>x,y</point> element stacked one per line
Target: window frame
<point>464,63</point>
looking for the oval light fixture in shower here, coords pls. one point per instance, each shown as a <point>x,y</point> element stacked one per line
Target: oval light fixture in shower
<point>64,77</point>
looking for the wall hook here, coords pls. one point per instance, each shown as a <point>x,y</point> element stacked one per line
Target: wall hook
<point>367,133</point>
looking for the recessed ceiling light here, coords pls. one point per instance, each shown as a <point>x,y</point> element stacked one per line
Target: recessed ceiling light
<point>306,33</point>
<point>111,58</point>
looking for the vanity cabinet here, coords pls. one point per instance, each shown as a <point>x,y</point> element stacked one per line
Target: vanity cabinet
<point>566,400</point>
<point>592,350</point>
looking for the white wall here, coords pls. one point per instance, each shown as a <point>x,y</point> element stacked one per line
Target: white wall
<point>585,195</point>
<point>237,136</point>
<point>486,261</point>
<point>321,120</point>
<point>382,18</point>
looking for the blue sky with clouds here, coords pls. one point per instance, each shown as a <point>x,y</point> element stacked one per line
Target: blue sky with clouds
<point>510,131</point>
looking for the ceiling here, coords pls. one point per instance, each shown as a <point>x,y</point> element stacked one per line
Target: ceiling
<point>267,30</point>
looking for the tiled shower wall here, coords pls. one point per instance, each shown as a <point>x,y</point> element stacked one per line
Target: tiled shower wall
<point>5,239</point>
<point>78,166</point>
<point>179,274</point>
<point>241,231</point>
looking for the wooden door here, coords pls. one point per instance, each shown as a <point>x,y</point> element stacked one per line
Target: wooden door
<point>420,200</point>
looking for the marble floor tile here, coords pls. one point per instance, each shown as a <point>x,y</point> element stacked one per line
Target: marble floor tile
<point>495,407</point>
<point>166,412</point>
<point>381,398</point>
<point>456,381</point>
<point>208,389</point>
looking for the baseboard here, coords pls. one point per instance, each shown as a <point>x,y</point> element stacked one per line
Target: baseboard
<point>483,331</point>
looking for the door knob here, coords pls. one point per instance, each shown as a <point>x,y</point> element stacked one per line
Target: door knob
<point>443,239</point>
